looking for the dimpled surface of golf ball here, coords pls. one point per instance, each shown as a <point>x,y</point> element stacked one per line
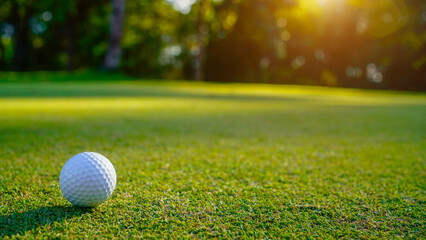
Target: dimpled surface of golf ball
<point>87,179</point>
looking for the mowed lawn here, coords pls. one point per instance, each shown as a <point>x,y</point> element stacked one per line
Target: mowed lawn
<point>215,160</point>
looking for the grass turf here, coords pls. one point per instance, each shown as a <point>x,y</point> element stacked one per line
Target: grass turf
<point>214,160</point>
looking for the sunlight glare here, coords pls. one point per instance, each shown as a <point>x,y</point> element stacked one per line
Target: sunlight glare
<point>321,2</point>
<point>183,6</point>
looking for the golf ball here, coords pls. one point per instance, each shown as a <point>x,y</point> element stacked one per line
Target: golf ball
<point>87,179</point>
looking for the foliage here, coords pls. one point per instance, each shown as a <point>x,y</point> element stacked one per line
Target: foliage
<point>288,42</point>
<point>356,43</point>
<point>150,31</point>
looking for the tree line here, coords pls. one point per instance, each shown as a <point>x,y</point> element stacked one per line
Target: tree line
<point>352,43</point>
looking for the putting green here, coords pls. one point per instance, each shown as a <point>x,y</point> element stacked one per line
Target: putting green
<point>215,160</point>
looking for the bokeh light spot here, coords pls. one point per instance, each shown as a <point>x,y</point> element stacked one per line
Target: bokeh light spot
<point>377,77</point>
<point>285,35</point>
<point>354,72</point>
<point>264,62</point>
<point>387,18</point>
<point>298,62</point>
<point>46,16</point>
<point>319,54</point>
<point>361,26</point>
<point>6,39</point>
<point>373,73</point>
<point>282,22</point>
<point>230,20</point>
<point>183,6</point>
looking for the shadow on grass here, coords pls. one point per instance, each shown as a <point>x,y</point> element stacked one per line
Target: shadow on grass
<point>20,222</point>
<point>87,90</point>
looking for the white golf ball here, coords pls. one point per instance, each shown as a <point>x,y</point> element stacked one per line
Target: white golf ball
<point>87,179</point>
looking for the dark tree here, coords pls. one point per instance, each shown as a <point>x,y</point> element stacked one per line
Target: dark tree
<point>112,59</point>
<point>21,14</point>
<point>202,32</point>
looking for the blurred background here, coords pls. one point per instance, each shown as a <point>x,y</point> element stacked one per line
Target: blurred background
<point>344,43</point>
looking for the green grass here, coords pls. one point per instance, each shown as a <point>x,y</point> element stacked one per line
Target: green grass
<point>214,160</point>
